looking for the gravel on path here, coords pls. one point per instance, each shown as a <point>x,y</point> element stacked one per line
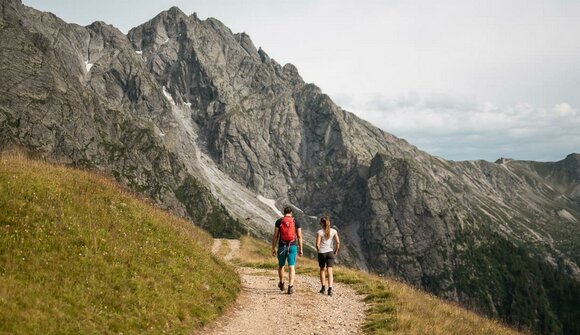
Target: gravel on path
<point>262,308</point>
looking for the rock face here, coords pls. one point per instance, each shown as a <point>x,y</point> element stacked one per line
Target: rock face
<point>81,95</point>
<point>210,127</point>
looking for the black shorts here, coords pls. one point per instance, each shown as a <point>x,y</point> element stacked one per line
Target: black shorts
<point>326,259</point>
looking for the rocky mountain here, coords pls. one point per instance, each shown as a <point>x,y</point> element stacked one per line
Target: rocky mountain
<point>209,126</point>
<point>81,95</point>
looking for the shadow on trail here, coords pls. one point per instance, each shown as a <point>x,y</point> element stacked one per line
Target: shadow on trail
<point>262,290</point>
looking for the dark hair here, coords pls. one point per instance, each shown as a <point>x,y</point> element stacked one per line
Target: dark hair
<point>287,210</point>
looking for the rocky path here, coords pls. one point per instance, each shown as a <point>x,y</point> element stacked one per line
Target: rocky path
<point>234,247</point>
<point>216,247</point>
<point>263,309</point>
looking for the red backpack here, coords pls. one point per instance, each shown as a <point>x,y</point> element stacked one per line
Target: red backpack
<point>287,230</point>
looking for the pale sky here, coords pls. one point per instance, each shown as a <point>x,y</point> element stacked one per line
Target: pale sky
<point>459,79</point>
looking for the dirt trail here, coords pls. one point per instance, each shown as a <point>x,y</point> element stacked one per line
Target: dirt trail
<point>234,247</point>
<point>263,309</point>
<point>217,245</point>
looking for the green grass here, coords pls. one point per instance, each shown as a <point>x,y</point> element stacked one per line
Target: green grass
<point>79,255</point>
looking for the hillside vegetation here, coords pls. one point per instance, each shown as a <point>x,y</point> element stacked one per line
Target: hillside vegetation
<point>79,255</point>
<point>394,307</point>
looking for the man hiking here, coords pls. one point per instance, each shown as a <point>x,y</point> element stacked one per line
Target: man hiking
<point>288,234</point>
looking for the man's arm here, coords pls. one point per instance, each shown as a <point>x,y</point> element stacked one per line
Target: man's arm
<point>274,240</point>
<point>299,233</point>
<point>337,240</point>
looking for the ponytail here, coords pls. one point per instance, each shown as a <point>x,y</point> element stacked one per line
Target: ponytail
<point>326,226</point>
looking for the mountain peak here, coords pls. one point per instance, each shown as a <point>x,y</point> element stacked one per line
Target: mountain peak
<point>571,167</point>
<point>12,2</point>
<point>573,157</point>
<point>246,42</point>
<point>103,26</point>
<point>503,160</point>
<point>175,11</point>
<point>263,55</point>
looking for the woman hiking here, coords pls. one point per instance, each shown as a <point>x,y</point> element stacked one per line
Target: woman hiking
<point>326,252</point>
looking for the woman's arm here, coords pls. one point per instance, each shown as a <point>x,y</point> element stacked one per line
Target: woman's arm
<point>337,241</point>
<point>318,242</point>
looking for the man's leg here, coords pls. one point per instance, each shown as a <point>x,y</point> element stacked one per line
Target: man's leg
<point>291,265</point>
<point>292,271</point>
<point>281,273</point>
<point>281,263</point>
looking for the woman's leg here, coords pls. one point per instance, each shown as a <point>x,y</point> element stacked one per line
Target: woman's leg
<point>321,265</point>
<point>330,279</point>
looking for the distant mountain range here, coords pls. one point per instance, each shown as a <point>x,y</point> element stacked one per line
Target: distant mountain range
<point>210,127</point>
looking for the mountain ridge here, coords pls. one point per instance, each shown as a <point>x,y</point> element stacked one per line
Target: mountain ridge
<point>213,113</point>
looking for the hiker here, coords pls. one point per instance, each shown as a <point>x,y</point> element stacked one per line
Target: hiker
<point>325,239</point>
<point>288,234</point>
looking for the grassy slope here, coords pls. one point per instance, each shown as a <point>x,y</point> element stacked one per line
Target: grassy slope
<point>395,308</point>
<point>80,255</point>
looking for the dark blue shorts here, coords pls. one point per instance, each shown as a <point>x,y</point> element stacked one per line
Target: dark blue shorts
<point>287,253</point>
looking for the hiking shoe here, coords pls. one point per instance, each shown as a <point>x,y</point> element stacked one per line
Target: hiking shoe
<point>281,286</point>
<point>290,289</point>
<point>330,291</point>
<point>322,289</point>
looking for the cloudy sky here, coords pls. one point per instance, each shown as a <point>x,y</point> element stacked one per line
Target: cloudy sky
<point>459,79</point>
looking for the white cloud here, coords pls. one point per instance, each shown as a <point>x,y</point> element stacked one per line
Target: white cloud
<point>564,110</point>
<point>461,130</point>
